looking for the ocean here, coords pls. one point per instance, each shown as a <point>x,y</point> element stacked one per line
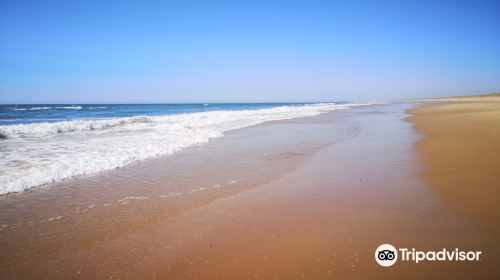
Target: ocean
<point>40,144</point>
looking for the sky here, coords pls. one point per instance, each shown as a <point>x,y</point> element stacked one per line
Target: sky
<point>246,51</point>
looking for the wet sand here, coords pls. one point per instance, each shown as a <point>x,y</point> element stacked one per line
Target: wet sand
<point>461,153</point>
<point>307,198</point>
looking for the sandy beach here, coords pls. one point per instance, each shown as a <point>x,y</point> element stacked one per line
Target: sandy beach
<point>461,155</point>
<point>276,140</point>
<point>307,198</point>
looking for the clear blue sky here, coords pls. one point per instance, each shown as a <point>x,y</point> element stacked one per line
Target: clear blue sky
<point>239,51</point>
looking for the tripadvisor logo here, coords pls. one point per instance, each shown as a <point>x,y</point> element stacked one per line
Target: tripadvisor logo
<point>387,255</point>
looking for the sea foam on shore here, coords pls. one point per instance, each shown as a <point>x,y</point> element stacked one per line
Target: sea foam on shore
<point>39,153</point>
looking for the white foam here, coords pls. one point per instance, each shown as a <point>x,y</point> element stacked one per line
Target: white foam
<point>98,107</point>
<point>50,129</point>
<point>40,153</point>
<point>49,108</point>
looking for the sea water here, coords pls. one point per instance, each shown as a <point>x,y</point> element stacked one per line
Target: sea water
<point>40,144</point>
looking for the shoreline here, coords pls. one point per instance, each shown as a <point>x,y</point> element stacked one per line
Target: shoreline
<point>86,211</point>
<point>56,150</point>
<point>302,198</point>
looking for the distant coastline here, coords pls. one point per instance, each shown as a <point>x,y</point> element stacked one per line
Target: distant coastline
<point>467,98</point>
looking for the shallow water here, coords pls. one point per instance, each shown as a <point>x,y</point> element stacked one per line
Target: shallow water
<point>57,143</point>
<point>84,211</point>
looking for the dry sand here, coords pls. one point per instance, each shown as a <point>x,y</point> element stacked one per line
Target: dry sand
<point>461,154</point>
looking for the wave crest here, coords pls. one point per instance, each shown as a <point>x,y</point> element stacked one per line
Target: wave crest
<point>49,129</point>
<point>40,153</point>
<point>49,108</point>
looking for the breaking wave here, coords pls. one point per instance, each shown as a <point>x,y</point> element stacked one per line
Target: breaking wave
<point>39,153</point>
<point>49,108</point>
